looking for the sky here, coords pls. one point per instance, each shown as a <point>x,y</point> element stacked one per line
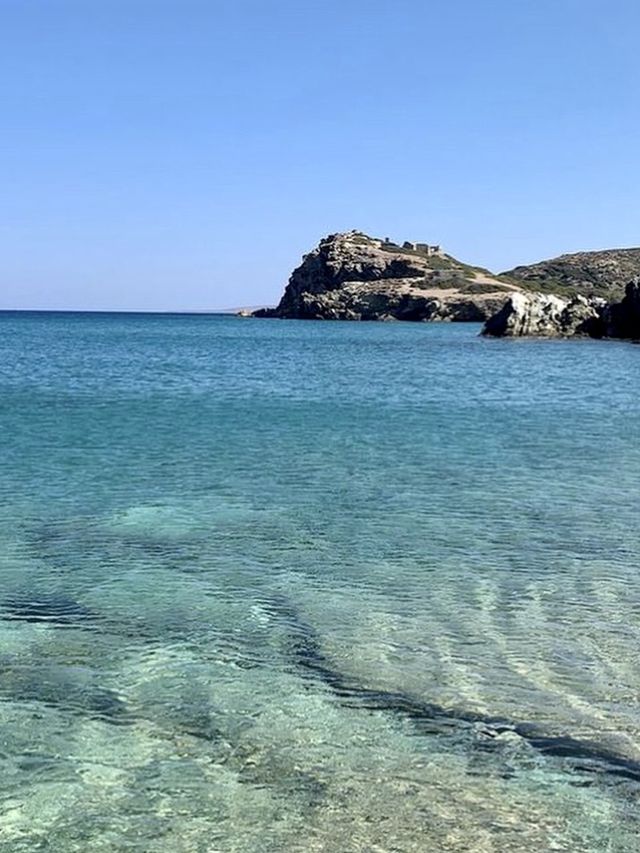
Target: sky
<point>183,154</point>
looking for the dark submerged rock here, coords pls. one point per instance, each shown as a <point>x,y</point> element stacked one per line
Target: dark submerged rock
<point>305,650</point>
<point>71,689</point>
<point>52,608</point>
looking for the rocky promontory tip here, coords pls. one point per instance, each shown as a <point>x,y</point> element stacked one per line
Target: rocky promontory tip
<point>351,276</point>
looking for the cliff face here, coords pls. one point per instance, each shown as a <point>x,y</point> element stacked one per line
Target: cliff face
<point>622,319</point>
<point>604,273</point>
<point>352,276</point>
<point>549,316</point>
<point>546,315</point>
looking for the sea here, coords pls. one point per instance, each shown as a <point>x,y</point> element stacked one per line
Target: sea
<point>316,586</point>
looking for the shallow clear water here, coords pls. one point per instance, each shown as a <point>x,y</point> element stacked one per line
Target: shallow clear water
<point>281,586</point>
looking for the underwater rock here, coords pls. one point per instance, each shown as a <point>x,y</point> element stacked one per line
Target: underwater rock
<point>51,608</point>
<point>305,650</point>
<point>71,689</point>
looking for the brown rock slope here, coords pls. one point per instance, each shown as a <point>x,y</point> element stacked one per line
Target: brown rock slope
<point>605,273</point>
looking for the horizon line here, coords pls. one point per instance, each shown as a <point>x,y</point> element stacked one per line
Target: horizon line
<point>192,311</point>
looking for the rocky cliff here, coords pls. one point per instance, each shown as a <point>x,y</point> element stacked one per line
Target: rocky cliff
<point>546,315</point>
<point>604,273</point>
<point>622,319</point>
<point>352,276</point>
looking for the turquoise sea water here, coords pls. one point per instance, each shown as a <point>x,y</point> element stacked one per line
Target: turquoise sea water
<point>287,586</point>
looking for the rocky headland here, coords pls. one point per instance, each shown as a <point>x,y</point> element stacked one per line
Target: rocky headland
<point>352,276</point>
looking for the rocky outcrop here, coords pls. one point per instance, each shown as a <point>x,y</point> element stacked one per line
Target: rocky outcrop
<point>352,276</point>
<point>394,299</point>
<point>604,273</point>
<point>545,315</point>
<point>622,319</point>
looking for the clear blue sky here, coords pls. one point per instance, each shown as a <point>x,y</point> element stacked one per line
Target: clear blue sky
<point>183,154</point>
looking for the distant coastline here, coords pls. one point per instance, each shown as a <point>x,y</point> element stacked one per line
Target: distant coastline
<point>137,311</point>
